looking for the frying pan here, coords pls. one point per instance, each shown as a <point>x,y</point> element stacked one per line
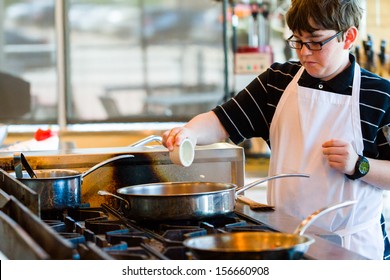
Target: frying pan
<point>182,200</point>
<point>258,245</point>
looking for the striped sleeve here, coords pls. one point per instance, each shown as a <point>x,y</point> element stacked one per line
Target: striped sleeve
<point>250,112</point>
<point>375,115</point>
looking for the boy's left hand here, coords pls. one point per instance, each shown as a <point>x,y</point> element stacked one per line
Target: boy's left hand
<point>340,155</point>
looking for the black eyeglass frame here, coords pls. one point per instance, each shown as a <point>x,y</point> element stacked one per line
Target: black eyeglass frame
<point>307,44</point>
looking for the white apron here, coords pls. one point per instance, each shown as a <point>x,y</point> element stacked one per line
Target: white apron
<point>304,119</point>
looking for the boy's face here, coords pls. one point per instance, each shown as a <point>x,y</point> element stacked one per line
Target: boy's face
<point>326,63</point>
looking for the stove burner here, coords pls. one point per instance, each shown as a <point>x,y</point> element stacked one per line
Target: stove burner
<point>182,234</point>
<point>132,238</point>
<point>251,228</point>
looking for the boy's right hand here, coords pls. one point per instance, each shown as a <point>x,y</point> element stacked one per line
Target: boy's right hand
<point>175,136</point>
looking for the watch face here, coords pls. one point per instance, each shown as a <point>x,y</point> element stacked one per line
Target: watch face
<point>364,167</point>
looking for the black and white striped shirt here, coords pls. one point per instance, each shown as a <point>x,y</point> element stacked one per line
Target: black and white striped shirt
<point>249,113</point>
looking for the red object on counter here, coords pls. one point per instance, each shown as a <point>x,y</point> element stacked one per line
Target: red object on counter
<point>41,134</point>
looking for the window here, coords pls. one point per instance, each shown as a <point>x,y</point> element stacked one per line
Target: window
<point>126,60</point>
<point>28,62</point>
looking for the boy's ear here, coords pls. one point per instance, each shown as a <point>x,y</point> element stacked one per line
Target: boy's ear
<point>351,36</point>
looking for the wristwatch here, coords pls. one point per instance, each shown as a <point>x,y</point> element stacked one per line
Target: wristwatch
<point>361,168</point>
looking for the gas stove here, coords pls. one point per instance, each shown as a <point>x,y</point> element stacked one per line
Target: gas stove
<point>104,233</point>
<point>98,230</point>
<point>91,233</point>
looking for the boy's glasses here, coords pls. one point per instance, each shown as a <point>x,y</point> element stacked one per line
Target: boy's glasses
<point>313,46</point>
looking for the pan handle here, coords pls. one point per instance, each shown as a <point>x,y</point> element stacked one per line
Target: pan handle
<point>103,193</point>
<point>107,161</point>
<point>266,179</point>
<point>316,214</point>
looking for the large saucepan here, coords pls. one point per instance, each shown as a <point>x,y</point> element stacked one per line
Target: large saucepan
<point>59,188</point>
<point>182,200</point>
<point>258,245</point>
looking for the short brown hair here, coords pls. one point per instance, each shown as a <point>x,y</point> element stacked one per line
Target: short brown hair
<point>336,15</point>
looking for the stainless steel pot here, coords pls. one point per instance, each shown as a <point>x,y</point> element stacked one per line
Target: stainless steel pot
<point>182,200</point>
<point>60,188</point>
<point>258,245</point>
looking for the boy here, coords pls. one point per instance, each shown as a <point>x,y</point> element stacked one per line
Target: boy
<point>323,116</point>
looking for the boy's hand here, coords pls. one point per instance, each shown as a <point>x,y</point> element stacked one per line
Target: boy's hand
<point>175,136</point>
<point>340,155</point>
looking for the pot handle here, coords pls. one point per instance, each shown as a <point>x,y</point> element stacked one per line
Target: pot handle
<point>316,214</point>
<point>27,166</point>
<point>266,179</point>
<point>107,161</point>
<point>106,193</point>
<point>146,140</point>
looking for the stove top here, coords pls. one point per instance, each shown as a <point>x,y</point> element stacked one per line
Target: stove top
<point>104,233</point>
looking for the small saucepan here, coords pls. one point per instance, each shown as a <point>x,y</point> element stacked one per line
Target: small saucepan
<point>182,200</point>
<point>258,245</point>
<point>59,188</point>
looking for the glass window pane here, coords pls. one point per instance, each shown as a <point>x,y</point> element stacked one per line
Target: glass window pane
<point>144,60</point>
<point>27,62</point>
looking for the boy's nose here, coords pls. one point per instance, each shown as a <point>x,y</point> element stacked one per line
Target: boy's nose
<point>305,50</point>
